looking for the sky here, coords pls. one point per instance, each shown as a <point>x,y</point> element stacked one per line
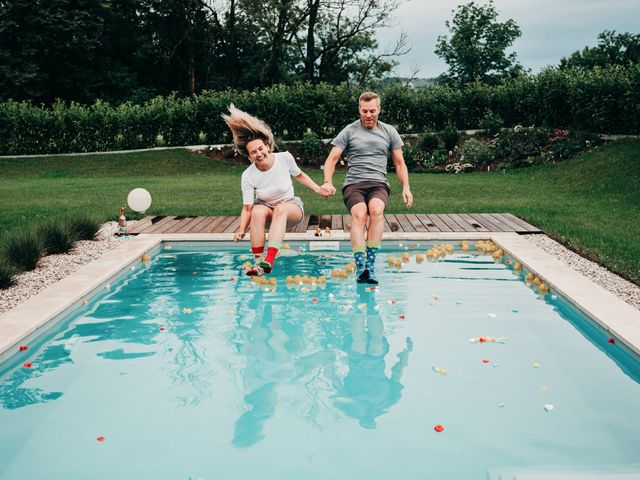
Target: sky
<point>551,29</point>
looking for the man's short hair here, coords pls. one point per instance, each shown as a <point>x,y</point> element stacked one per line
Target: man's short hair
<point>368,96</point>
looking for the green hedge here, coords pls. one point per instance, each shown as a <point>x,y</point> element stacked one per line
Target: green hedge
<point>600,100</point>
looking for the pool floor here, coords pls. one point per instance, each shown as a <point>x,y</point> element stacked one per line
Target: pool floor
<point>184,368</point>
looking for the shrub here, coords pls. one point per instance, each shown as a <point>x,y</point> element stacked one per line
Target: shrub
<point>563,144</point>
<point>491,122</point>
<point>450,137</point>
<point>414,158</point>
<point>24,248</point>
<point>428,142</point>
<point>476,152</point>
<point>600,100</point>
<point>311,145</point>
<point>516,146</point>
<point>8,274</point>
<point>85,228</point>
<point>440,156</point>
<point>528,146</point>
<point>57,237</point>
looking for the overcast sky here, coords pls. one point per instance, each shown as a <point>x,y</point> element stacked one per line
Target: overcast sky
<point>551,29</point>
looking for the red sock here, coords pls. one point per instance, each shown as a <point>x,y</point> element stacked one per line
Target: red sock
<point>271,255</point>
<point>257,251</point>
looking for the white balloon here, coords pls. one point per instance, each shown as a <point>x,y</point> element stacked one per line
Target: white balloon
<point>139,200</point>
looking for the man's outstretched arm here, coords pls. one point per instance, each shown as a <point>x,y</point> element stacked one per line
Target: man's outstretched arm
<point>403,176</point>
<point>330,167</point>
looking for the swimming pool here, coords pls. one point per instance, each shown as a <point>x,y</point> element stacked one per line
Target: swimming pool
<point>184,368</point>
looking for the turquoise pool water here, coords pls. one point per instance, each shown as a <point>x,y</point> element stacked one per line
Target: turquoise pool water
<point>185,369</point>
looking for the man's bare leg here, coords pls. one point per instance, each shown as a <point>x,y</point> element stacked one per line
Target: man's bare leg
<point>358,224</point>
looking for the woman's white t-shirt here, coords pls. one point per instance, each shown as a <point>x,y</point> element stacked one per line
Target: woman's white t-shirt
<point>273,185</point>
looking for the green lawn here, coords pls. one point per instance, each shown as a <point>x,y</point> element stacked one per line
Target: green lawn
<point>590,203</point>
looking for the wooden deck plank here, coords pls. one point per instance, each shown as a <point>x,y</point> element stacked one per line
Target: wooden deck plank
<point>168,225</point>
<point>336,222</point>
<point>394,225</point>
<point>181,222</point>
<point>486,222</point>
<point>438,222</point>
<point>346,223</point>
<point>325,221</point>
<point>221,227</point>
<point>140,228</point>
<point>141,224</point>
<point>404,222</point>
<point>189,225</point>
<point>233,226</point>
<point>479,227</point>
<point>449,222</point>
<point>497,222</point>
<point>387,227</point>
<point>314,222</point>
<point>428,224</point>
<point>517,220</point>
<point>513,226</point>
<point>411,223</point>
<point>417,224</point>
<point>212,225</point>
<point>466,226</point>
<point>303,226</point>
<point>198,225</point>
<point>158,227</point>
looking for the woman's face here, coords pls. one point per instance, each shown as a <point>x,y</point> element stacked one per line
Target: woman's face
<point>258,151</point>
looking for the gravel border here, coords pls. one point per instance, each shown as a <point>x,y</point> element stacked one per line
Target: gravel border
<point>624,289</point>
<point>53,268</point>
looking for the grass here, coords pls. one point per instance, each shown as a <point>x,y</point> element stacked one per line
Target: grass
<point>590,203</point>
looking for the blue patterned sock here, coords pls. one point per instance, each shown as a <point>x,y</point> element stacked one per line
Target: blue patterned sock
<point>372,251</point>
<point>361,264</point>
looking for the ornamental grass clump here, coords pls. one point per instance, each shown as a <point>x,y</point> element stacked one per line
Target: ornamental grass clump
<point>8,274</point>
<point>24,248</point>
<point>85,228</point>
<point>58,237</point>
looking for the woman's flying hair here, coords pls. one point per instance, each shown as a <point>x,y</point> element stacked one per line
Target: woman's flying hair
<point>245,128</point>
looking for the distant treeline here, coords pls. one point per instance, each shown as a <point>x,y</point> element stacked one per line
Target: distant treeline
<point>119,50</point>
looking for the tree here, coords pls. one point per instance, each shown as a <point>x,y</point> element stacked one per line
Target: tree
<point>346,41</point>
<point>476,50</point>
<point>612,49</point>
<point>71,50</point>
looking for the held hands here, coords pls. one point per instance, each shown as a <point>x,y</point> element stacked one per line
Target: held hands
<point>327,189</point>
<point>407,197</point>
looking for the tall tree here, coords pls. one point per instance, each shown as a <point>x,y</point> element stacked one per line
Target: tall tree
<point>612,49</point>
<point>71,50</point>
<point>346,40</point>
<point>476,50</point>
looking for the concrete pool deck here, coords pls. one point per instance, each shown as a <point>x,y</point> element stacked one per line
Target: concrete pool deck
<point>37,314</point>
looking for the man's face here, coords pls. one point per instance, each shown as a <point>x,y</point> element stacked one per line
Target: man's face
<point>369,112</point>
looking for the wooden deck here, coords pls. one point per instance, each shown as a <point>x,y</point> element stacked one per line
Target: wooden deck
<point>440,222</point>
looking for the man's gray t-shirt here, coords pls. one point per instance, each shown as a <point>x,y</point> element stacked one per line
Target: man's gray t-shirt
<point>367,150</point>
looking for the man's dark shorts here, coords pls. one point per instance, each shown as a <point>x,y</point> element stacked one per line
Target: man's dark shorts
<point>363,192</point>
